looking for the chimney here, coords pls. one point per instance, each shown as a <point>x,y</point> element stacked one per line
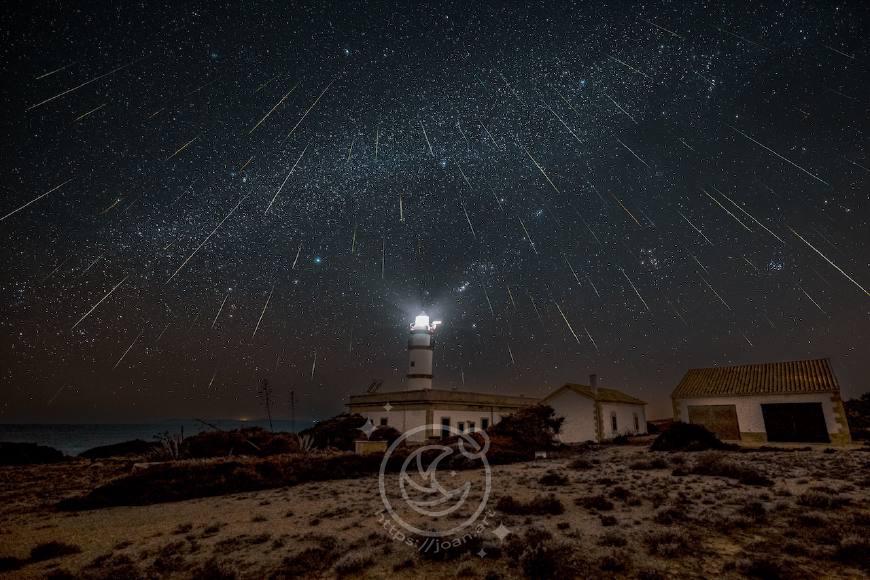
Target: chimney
<point>593,382</point>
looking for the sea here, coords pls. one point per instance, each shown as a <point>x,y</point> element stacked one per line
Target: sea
<point>72,439</point>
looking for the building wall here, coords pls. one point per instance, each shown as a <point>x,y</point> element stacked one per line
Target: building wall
<point>579,413</point>
<point>751,421</point>
<point>456,417</point>
<point>625,414</point>
<point>405,420</point>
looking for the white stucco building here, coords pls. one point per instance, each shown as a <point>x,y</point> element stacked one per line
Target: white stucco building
<point>596,414</point>
<point>464,410</point>
<point>797,401</point>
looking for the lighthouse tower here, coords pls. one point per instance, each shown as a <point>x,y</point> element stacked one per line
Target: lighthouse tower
<point>420,347</point>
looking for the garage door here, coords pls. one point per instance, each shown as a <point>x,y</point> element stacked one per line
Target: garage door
<point>795,422</point>
<point>720,419</point>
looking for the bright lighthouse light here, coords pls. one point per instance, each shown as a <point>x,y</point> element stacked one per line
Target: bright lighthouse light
<point>422,321</point>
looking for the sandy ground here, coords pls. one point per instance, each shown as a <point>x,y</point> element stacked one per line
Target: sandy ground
<point>623,517</point>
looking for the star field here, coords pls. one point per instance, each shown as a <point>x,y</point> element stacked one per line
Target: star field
<point>196,197</point>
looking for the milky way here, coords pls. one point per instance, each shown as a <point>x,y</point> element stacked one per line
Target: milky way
<point>198,197</point>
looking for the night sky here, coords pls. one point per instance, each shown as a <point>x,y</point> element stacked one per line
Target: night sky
<point>195,197</point>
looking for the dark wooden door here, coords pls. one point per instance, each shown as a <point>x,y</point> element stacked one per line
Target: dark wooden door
<point>719,419</point>
<point>795,422</point>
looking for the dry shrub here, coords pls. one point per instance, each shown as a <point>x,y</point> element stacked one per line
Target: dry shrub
<point>248,441</point>
<point>821,501</point>
<point>539,505</point>
<point>313,561</point>
<point>187,480</point>
<point>213,570</point>
<point>715,464</point>
<point>670,516</point>
<point>687,437</point>
<point>613,540</point>
<point>580,464</point>
<point>50,550</point>
<point>353,563</point>
<point>594,502</point>
<point>657,463</point>
<point>9,563</point>
<point>553,478</point>
<point>669,544</point>
<point>550,560</point>
<point>854,550</point>
<point>28,454</point>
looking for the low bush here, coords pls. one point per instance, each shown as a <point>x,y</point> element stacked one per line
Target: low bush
<point>595,503</point>
<point>134,448</point>
<point>821,501</point>
<point>339,432</point>
<point>716,465</point>
<point>553,478</point>
<point>540,505</point>
<point>28,454</point>
<point>50,550</point>
<point>248,441</point>
<point>669,544</point>
<point>580,464</point>
<point>532,428</point>
<point>688,437</point>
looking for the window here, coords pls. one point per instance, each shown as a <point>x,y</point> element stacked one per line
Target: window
<point>471,426</point>
<point>461,427</point>
<point>445,427</point>
<point>383,421</point>
<point>484,423</point>
<point>412,363</point>
<point>636,424</point>
<point>613,425</point>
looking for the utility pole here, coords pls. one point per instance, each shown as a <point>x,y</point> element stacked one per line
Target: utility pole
<point>266,392</point>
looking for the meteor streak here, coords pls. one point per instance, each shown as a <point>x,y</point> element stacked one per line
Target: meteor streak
<point>722,300</point>
<point>566,321</point>
<point>725,209</point>
<point>671,32</point>
<point>266,116</point>
<point>128,348</point>
<point>528,237</point>
<point>51,72</point>
<point>620,108</point>
<point>426,137</point>
<point>207,238</point>
<point>811,299</point>
<point>94,110</point>
<point>296,259</point>
<point>308,110</point>
<point>285,180</point>
<point>694,227</point>
<point>213,322</point>
<point>93,80</point>
<point>636,156</point>
<point>109,293</point>
<point>183,147</point>
<point>852,280</point>
<point>34,200</point>
<point>625,64</point>
<point>750,216</point>
<point>541,169</point>
<point>266,305</point>
<point>789,161</point>
<point>633,287</point>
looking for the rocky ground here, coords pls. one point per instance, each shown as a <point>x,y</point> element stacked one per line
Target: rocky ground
<point>613,511</point>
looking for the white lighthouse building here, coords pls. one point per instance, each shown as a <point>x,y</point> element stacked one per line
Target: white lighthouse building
<point>420,350</point>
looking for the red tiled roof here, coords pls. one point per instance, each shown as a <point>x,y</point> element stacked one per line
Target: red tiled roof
<point>783,378</point>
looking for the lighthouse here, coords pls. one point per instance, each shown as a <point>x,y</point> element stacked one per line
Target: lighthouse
<point>420,347</point>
